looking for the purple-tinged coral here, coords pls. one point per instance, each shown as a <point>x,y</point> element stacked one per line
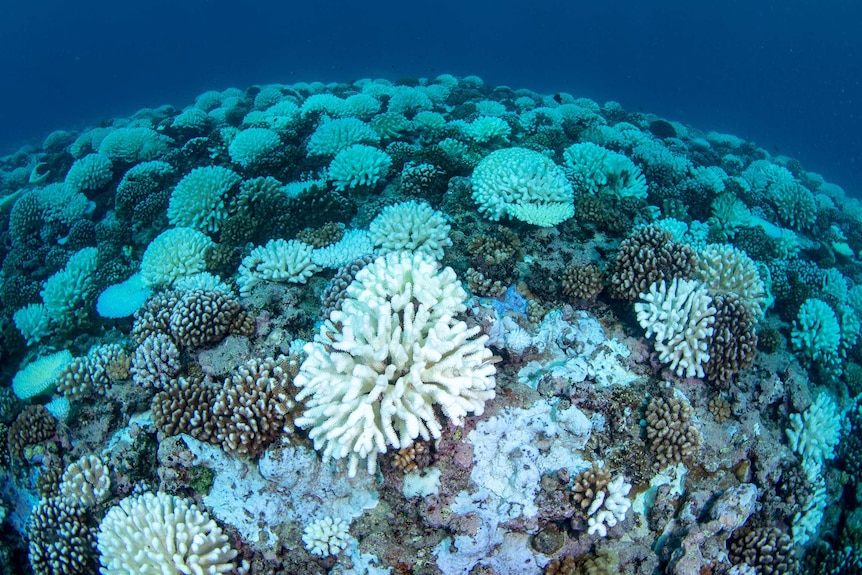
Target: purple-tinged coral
<point>156,361</point>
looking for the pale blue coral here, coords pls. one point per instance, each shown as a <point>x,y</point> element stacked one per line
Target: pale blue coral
<point>199,200</point>
<point>253,146</point>
<point>358,166</point>
<point>335,135</point>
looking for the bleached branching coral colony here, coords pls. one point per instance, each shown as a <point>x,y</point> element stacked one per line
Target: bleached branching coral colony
<point>425,326</point>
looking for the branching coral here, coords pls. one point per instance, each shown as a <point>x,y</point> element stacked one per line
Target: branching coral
<point>200,199</point>
<point>32,426</point>
<point>278,261</point>
<point>670,431</point>
<point>410,226</point>
<point>86,482</point>
<point>646,257</point>
<point>511,179</point>
<point>253,407</point>
<point>766,549</point>
<point>156,361</point>
<point>733,344</point>
<point>61,541</point>
<point>95,372</point>
<point>158,533</point>
<point>816,331</point>
<point>185,406</point>
<point>680,317</point>
<point>378,366</point>
<point>204,317</point>
<point>582,281</point>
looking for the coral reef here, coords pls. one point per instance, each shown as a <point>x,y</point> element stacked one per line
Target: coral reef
<point>557,336</point>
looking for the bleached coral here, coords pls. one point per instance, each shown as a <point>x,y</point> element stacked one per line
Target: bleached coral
<point>680,317</point>
<point>174,254</point>
<point>358,166</point>
<point>807,520</point>
<point>199,200</point>
<point>331,137</point>
<point>816,331</point>
<point>157,533</point>
<point>86,482</point>
<point>727,269</point>
<point>326,536</point>
<point>65,292</point>
<point>89,173</point>
<point>488,128</point>
<point>33,321</point>
<point>380,364</point>
<point>517,177</point>
<point>253,146</point>
<point>609,507</point>
<point>815,433</point>
<point>410,226</point>
<point>352,246</point>
<point>598,170</point>
<point>279,261</point>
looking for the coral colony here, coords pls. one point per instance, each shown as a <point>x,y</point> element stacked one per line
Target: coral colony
<point>425,327</point>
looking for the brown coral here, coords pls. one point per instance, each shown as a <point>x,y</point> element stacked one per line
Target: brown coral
<point>733,344</point>
<point>582,281</point>
<point>61,541</point>
<point>562,566</point>
<point>326,235</point>
<point>648,256</point>
<point>423,180</point>
<point>495,249</point>
<point>415,456</point>
<point>32,426</point>
<point>588,484</point>
<point>185,406</point>
<point>205,317</point>
<point>671,433</point>
<point>48,482</point>
<point>336,290</point>
<point>768,549</point>
<point>483,286</point>
<point>94,373</point>
<point>254,406</point>
<point>719,408</point>
<point>156,361</point>
<point>155,316</point>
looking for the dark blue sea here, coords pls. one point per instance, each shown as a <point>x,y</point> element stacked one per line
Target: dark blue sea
<point>784,74</point>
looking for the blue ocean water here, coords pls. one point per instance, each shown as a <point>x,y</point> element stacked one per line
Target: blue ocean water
<point>784,74</point>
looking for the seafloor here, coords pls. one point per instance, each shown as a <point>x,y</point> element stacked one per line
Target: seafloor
<point>421,327</point>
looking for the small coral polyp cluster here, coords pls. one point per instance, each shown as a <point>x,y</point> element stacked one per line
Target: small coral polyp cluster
<point>426,326</point>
